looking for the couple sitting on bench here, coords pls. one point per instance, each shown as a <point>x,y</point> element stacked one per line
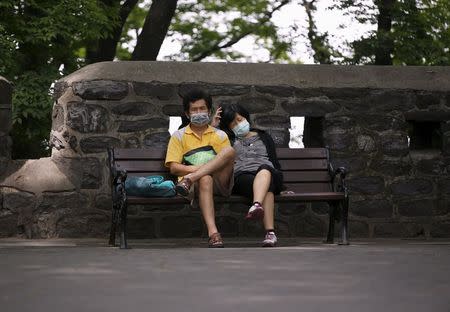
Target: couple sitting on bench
<point>206,163</point>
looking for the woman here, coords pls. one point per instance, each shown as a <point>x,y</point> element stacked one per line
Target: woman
<point>257,172</point>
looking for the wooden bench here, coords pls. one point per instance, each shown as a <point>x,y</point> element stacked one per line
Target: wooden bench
<point>307,173</point>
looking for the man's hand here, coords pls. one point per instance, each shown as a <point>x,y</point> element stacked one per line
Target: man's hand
<point>216,118</point>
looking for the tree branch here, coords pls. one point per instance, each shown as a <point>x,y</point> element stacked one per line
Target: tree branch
<point>217,46</point>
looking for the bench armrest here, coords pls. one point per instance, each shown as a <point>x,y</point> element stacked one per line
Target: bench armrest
<point>119,195</point>
<point>338,179</point>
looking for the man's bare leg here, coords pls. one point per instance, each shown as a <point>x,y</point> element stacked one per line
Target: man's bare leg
<point>206,203</point>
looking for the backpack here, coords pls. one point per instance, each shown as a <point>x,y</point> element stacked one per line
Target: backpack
<point>151,186</point>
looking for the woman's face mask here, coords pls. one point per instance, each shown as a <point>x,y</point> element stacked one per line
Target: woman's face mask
<point>241,129</point>
<point>200,119</point>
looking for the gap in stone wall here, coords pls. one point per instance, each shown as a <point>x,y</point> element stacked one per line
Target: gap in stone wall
<point>424,135</point>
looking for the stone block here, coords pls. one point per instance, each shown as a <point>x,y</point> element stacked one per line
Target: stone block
<point>59,88</point>
<point>342,122</point>
<point>87,118</point>
<point>279,91</point>
<point>142,125</point>
<point>446,143</point>
<point>394,144</point>
<point>381,208</point>
<point>132,108</point>
<point>82,226</point>
<point>18,202</point>
<point>57,118</point>
<point>92,176</point>
<point>366,185</point>
<point>173,110</point>
<point>291,209</point>
<point>214,89</point>
<point>442,208</point>
<point>103,202</point>
<point>428,115</point>
<point>393,167</point>
<point>412,187</point>
<point>375,122</point>
<point>440,229</point>
<point>141,227</point>
<point>357,229</point>
<point>101,89</point>
<point>417,208</point>
<point>310,226</point>
<point>5,118</point>
<point>280,137</point>
<point>389,100</point>
<point>311,107</point>
<point>388,230</point>
<point>257,104</point>
<point>425,99</point>
<point>8,225</point>
<point>52,202</point>
<point>71,140</point>
<point>132,142</point>
<point>98,144</point>
<point>366,143</point>
<point>433,166</point>
<point>162,91</point>
<point>351,163</point>
<point>444,187</point>
<point>5,143</point>
<point>338,139</point>
<point>181,226</point>
<point>273,121</point>
<point>160,139</point>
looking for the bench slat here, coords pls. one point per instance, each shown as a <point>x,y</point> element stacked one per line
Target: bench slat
<point>141,165</point>
<point>306,176</point>
<point>138,153</point>
<point>300,153</point>
<point>303,164</point>
<point>308,187</point>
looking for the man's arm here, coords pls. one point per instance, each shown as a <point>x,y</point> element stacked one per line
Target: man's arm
<point>180,170</point>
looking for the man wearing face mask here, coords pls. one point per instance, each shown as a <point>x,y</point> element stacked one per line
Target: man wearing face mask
<point>201,156</point>
<point>257,174</point>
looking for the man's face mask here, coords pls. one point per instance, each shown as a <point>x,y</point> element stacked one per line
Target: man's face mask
<point>200,119</point>
<point>241,129</point>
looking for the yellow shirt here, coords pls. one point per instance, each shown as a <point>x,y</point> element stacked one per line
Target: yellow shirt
<point>185,140</point>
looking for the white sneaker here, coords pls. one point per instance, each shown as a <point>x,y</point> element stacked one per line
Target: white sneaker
<point>270,240</point>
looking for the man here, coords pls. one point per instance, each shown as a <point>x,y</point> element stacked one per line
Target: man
<point>201,156</point>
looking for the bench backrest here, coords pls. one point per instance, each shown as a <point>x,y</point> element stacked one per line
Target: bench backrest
<point>305,170</point>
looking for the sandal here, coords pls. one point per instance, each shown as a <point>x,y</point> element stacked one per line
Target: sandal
<point>183,187</point>
<point>215,241</point>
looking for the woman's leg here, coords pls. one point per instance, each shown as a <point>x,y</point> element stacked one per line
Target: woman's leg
<point>269,211</point>
<point>261,185</point>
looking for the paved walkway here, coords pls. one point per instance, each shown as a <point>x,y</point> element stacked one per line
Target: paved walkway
<point>183,275</point>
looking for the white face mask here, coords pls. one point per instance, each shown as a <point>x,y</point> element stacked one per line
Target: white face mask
<point>241,129</point>
<point>200,119</point>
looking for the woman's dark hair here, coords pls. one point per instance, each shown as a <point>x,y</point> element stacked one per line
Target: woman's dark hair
<point>229,113</point>
<point>195,95</point>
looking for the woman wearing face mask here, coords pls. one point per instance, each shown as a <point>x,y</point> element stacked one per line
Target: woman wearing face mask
<point>257,172</point>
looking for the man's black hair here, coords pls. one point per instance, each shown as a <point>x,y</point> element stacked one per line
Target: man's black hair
<point>195,95</point>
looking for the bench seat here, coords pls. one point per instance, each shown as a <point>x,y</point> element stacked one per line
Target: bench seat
<point>308,177</point>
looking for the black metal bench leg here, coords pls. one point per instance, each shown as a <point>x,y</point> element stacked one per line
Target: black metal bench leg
<point>343,240</point>
<point>123,228</point>
<point>331,222</point>
<point>112,232</point>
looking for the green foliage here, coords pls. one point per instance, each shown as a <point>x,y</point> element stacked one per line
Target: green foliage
<point>420,31</point>
<point>211,28</point>
<point>40,41</point>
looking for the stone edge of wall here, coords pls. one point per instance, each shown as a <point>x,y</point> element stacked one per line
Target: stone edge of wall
<point>435,78</point>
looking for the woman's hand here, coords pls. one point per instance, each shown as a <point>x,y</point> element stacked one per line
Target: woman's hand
<point>216,118</point>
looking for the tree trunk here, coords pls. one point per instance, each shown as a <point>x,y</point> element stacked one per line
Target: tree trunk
<point>154,31</point>
<point>105,48</point>
<point>385,44</point>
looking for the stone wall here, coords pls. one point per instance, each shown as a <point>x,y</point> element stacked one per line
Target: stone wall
<point>366,115</point>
